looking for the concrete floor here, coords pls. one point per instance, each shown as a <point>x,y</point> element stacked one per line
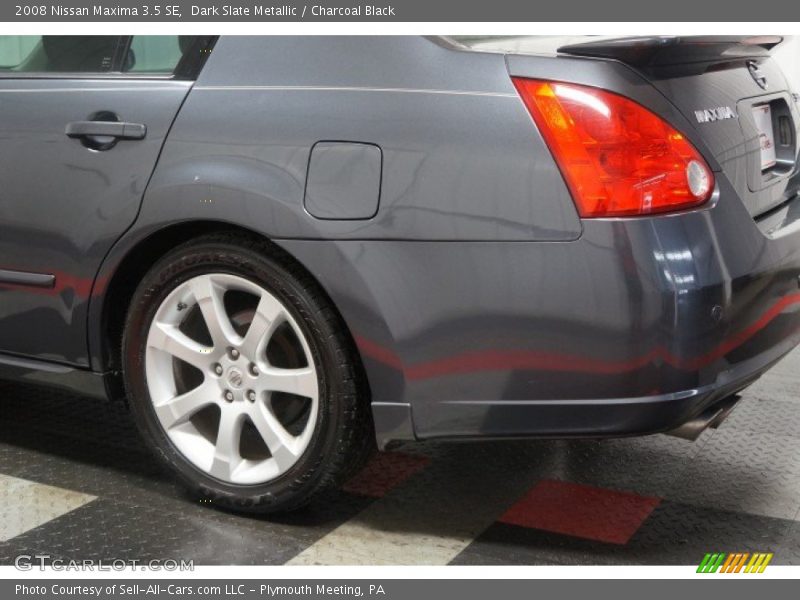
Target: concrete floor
<point>76,483</point>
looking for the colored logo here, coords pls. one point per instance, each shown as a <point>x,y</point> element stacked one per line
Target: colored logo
<point>735,562</point>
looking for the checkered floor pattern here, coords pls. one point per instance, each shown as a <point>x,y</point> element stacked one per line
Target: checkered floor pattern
<point>76,483</point>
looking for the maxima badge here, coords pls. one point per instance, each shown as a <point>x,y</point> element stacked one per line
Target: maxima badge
<point>709,115</point>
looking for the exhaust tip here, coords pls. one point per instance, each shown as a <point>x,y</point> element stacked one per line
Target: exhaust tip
<point>712,418</point>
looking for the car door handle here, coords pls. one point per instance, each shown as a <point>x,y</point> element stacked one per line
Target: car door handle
<point>113,129</point>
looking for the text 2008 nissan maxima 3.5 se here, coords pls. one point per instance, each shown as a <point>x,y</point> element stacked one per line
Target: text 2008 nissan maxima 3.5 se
<point>283,249</point>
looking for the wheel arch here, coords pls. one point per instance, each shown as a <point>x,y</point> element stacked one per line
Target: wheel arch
<point>123,270</point>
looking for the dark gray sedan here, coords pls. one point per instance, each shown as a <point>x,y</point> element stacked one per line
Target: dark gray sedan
<point>282,249</point>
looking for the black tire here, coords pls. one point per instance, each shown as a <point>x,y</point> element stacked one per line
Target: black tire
<point>343,436</point>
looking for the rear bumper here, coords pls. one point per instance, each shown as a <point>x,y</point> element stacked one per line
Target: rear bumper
<point>706,302</point>
<point>634,328</point>
<point>712,303</point>
<point>588,418</point>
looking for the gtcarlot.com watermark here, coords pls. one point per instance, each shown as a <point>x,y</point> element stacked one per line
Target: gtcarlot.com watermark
<point>29,562</point>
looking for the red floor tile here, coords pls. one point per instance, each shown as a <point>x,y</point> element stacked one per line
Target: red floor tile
<point>385,471</point>
<point>581,511</point>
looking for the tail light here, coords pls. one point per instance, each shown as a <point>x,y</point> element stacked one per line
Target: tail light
<point>617,157</point>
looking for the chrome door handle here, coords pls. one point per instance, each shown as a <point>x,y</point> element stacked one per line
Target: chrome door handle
<point>115,129</point>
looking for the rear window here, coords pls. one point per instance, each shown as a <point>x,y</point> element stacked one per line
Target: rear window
<point>155,53</point>
<point>93,54</point>
<point>15,48</point>
<point>58,53</point>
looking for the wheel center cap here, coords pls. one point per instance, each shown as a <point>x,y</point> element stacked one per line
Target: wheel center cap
<point>235,377</point>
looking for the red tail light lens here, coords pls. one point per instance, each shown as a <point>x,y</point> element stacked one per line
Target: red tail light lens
<point>618,158</point>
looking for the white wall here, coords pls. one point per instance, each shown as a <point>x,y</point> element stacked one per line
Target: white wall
<point>788,56</point>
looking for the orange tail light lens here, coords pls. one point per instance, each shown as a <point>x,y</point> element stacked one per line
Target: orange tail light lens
<point>617,157</point>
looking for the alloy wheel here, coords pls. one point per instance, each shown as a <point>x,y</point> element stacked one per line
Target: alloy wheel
<point>232,378</point>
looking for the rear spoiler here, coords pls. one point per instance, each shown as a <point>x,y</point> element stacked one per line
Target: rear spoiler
<point>675,50</point>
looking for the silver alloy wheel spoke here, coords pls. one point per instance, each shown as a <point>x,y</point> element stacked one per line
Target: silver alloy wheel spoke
<point>238,380</point>
<point>300,382</point>
<point>209,298</point>
<point>181,408</point>
<point>226,449</point>
<point>269,314</point>
<point>281,443</point>
<point>173,341</point>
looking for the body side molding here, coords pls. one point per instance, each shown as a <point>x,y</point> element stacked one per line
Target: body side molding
<point>43,280</point>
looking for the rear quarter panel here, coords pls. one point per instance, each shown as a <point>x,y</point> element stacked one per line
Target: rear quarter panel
<point>461,159</point>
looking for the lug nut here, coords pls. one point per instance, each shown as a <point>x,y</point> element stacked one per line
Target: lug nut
<point>253,370</point>
<point>228,395</point>
<point>251,395</point>
<point>218,369</point>
<point>234,353</point>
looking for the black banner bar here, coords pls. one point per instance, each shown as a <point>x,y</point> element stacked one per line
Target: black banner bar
<point>401,11</point>
<point>394,589</point>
